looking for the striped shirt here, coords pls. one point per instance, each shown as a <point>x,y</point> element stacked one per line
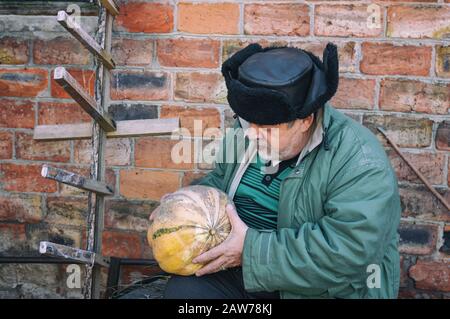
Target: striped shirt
<point>257,195</point>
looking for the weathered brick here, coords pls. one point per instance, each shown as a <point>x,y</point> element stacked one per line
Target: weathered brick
<point>431,275</point>
<point>128,215</point>
<point>430,165</point>
<point>66,190</point>
<point>208,18</point>
<point>403,130</point>
<point>276,19</point>
<point>209,117</point>
<point>128,51</point>
<point>190,177</point>
<point>59,234</point>
<point>443,61</point>
<point>144,17</point>
<point>200,87</point>
<point>153,152</point>
<point>84,77</point>
<point>417,239</point>
<point>443,136</point>
<point>6,145</point>
<point>418,202</point>
<point>24,178</point>
<point>145,184</point>
<point>53,113</point>
<point>354,94</point>
<point>70,211</point>
<point>118,151</point>
<point>183,52</point>
<point>28,148</point>
<point>390,59</point>
<point>23,82</point>
<point>136,85</point>
<point>21,208</point>
<point>60,50</point>
<point>16,113</point>
<point>345,21</point>
<point>127,111</point>
<point>418,21</point>
<point>13,50</point>
<point>12,238</point>
<point>414,96</point>
<point>404,267</point>
<point>120,244</point>
<point>346,52</point>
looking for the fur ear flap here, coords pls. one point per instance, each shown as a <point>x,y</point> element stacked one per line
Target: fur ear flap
<point>331,64</point>
<point>232,64</point>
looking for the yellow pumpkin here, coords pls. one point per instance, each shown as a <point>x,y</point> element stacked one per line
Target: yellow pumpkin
<point>188,223</point>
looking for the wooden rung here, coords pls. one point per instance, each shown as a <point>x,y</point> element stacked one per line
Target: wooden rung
<point>124,129</point>
<point>61,251</point>
<point>87,102</point>
<point>76,180</point>
<point>75,29</point>
<point>111,6</point>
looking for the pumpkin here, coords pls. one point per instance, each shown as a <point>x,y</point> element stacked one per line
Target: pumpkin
<point>189,222</point>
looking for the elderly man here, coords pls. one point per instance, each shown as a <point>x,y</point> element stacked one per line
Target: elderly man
<point>320,220</point>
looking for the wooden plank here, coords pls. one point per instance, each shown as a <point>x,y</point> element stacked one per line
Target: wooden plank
<point>111,6</point>
<point>76,180</point>
<point>87,102</point>
<point>61,251</point>
<point>75,29</point>
<point>129,128</point>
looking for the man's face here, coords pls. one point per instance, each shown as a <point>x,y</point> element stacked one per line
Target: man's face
<point>282,141</point>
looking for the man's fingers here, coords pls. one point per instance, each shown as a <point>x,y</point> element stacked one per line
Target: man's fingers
<point>232,214</point>
<point>212,267</point>
<point>209,255</point>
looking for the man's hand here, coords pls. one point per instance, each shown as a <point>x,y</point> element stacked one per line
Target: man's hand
<point>227,254</point>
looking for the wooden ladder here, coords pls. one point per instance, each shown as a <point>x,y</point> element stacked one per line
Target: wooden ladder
<point>101,128</point>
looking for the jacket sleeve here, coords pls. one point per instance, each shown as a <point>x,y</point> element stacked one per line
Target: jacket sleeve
<point>360,211</point>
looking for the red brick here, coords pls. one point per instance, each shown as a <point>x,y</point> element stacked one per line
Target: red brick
<point>184,52</point>
<point>145,184</point>
<point>418,21</point>
<point>417,239</point>
<point>354,94</point>
<point>443,136</point>
<point>84,77</point>
<point>443,61</point>
<point>21,208</point>
<point>153,152</point>
<point>230,47</point>
<point>430,165</point>
<point>53,113</point>
<point>119,244</point>
<point>6,146</point>
<point>208,18</point>
<point>419,203</point>
<point>132,51</point>
<point>13,50</point>
<point>431,275</point>
<point>25,178</point>
<point>17,113</point>
<point>145,17</point>
<point>345,21</point>
<point>200,87</point>
<point>403,130</point>
<point>60,50</point>
<point>190,177</point>
<point>137,85</point>
<point>23,82</point>
<point>118,151</point>
<point>209,117</point>
<point>389,59</point>
<point>414,96</point>
<point>29,149</point>
<point>276,19</point>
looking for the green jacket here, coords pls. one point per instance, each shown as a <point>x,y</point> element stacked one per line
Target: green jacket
<point>338,215</point>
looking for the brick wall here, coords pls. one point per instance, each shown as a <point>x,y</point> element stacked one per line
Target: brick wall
<point>169,55</point>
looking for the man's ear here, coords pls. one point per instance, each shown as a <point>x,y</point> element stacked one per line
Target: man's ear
<point>306,123</point>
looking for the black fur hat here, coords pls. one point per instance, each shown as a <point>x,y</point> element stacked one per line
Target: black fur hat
<point>279,84</point>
